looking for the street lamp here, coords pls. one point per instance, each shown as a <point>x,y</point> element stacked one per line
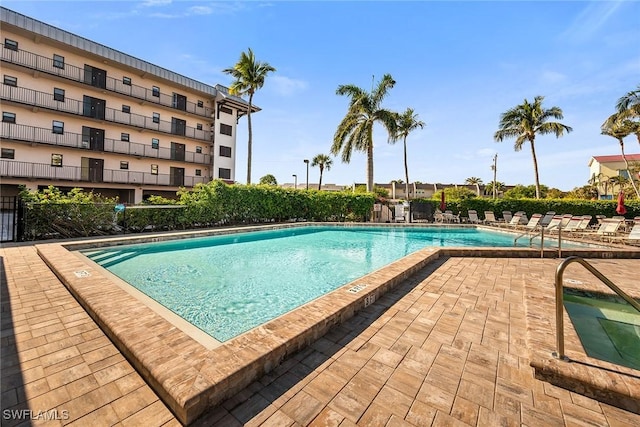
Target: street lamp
<point>295,181</point>
<point>494,168</point>
<point>307,162</point>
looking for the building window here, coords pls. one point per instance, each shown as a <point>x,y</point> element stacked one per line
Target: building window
<point>198,172</point>
<point>126,109</point>
<point>226,110</point>
<point>126,81</point>
<point>58,61</point>
<point>200,104</point>
<point>124,165</point>
<point>225,151</point>
<point>154,169</point>
<point>224,173</point>
<point>199,126</point>
<point>623,173</point>
<point>58,94</point>
<point>155,91</point>
<point>11,81</point>
<point>8,153</point>
<point>155,143</point>
<point>124,137</point>
<point>58,127</point>
<point>8,117</point>
<point>11,44</point>
<point>56,160</point>
<point>198,149</point>
<point>225,129</point>
<point>156,117</point>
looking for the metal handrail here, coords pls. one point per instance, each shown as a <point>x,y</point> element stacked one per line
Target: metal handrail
<point>541,234</point>
<point>560,298</point>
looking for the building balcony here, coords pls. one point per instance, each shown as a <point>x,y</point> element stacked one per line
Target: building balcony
<point>22,95</point>
<point>27,170</point>
<point>31,134</point>
<point>43,64</point>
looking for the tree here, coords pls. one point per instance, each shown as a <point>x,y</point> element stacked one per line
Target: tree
<point>628,109</point>
<point>268,179</point>
<point>323,162</point>
<point>406,123</point>
<point>249,75</point>
<point>474,180</point>
<point>498,187</point>
<point>526,192</point>
<point>524,122</point>
<point>618,129</point>
<point>355,131</point>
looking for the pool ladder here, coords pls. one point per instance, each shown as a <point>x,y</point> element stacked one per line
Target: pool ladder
<point>560,298</point>
<point>541,234</point>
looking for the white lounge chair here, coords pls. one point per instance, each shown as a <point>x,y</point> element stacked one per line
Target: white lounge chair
<point>473,217</point>
<point>506,216</point>
<point>547,218</point>
<point>490,218</point>
<point>633,238</point>
<point>533,222</point>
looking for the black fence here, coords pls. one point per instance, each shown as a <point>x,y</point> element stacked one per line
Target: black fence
<point>11,219</point>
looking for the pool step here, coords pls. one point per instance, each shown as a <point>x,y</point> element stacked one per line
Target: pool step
<point>109,258</point>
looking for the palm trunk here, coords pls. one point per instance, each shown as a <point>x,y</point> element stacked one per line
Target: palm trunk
<point>406,169</point>
<point>320,183</point>
<point>370,163</point>
<point>626,164</point>
<point>535,168</point>
<point>249,143</point>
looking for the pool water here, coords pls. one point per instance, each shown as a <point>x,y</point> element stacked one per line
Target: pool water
<point>608,330</point>
<point>226,285</point>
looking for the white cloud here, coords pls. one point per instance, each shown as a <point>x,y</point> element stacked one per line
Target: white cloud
<point>153,3</point>
<point>286,86</point>
<point>591,19</point>
<point>200,10</point>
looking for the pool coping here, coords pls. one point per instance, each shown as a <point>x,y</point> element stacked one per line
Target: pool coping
<point>190,378</point>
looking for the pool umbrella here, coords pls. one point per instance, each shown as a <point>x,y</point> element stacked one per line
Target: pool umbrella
<point>620,208</point>
<point>443,205</point>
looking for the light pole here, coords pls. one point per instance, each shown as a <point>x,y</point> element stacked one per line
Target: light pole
<point>307,162</point>
<point>494,167</point>
<point>295,181</point>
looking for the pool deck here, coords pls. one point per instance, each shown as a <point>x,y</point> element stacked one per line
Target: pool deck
<point>452,344</point>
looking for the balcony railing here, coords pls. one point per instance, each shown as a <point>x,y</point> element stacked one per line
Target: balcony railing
<point>25,133</point>
<point>14,169</point>
<point>43,64</point>
<point>45,100</point>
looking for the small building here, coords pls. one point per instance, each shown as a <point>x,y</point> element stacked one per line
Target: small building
<point>603,168</point>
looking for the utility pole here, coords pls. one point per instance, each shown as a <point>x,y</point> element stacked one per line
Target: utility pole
<point>494,167</point>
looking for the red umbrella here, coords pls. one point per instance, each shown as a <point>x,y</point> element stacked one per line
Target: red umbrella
<point>443,205</point>
<point>620,208</point>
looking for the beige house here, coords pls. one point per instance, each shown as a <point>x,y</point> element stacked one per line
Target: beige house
<point>76,113</point>
<point>603,168</point>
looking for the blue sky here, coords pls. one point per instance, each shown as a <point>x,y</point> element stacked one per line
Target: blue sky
<point>459,65</point>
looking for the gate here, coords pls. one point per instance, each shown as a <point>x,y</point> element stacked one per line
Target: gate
<point>10,213</point>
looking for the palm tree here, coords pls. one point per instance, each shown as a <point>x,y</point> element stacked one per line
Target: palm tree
<point>524,122</point>
<point>628,108</point>
<point>618,129</point>
<point>355,131</point>
<point>249,75</point>
<point>406,123</point>
<point>474,180</point>
<point>323,162</point>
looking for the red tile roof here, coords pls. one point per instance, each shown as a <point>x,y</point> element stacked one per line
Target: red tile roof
<point>617,158</point>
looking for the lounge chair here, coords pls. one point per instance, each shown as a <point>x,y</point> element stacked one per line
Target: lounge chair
<point>490,218</point>
<point>546,219</point>
<point>515,220</point>
<point>607,230</point>
<point>533,222</point>
<point>565,220</point>
<point>554,224</point>
<point>523,217</point>
<point>573,224</point>
<point>633,238</point>
<point>506,216</point>
<point>473,217</point>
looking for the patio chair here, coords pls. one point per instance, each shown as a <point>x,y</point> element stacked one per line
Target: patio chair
<point>490,218</point>
<point>565,220</point>
<point>533,223</point>
<point>607,230</point>
<point>523,217</point>
<point>554,224</point>
<point>546,219</point>
<point>473,217</point>
<point>573,224</point>
<point>633,238</point>
<point>515,220</point>
<point>506,216</point>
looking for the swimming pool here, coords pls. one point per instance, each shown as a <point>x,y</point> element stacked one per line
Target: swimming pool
<point>226,285</point>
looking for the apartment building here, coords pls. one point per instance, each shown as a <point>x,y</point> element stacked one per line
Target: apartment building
<point>76,113</point>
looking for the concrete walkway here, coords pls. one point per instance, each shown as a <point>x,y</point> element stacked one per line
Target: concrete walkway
<point>450,346</point>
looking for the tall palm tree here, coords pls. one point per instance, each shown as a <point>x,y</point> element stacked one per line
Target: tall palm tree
<point>524,122</point>
<point>474,180</point>
<point>355,131</point>
<point>249,75</point>
<point>323,162</point>
<point>628,109</point>
<point>406,123</point>
<point>619,130</point>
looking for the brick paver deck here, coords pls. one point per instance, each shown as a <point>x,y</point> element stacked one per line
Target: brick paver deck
<point>449,346</point>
